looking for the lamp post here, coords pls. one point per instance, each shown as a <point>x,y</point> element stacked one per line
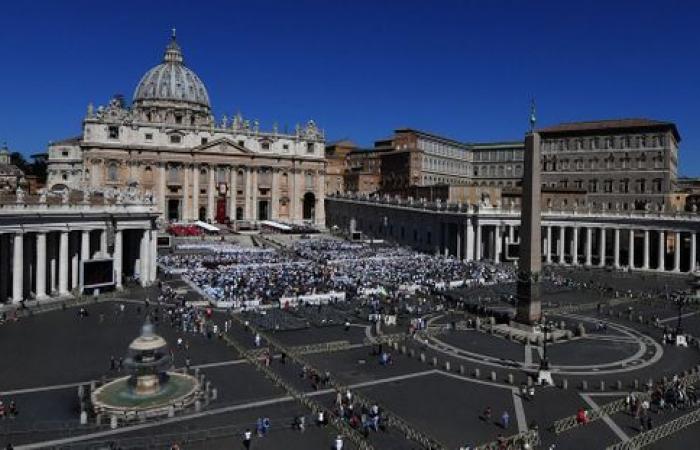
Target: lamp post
<point>544,363</point>
<point>544,373</point>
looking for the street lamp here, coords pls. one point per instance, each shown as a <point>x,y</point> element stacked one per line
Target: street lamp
<point>681,299</point>
<point>544,363</point>
<point>544,373</point>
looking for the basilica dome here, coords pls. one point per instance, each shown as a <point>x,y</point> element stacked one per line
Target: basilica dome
<point>171,82</point>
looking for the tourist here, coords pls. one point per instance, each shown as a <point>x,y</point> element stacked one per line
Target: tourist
<point>338,445</point>
<point>13,409</point>
<point>581,416</point>
<point>247,437</point>
<point>505,419</point>
<point>112,363</point>
<point>486,415</point>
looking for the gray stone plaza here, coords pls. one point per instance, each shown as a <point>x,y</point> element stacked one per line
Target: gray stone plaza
<point>435,392</point>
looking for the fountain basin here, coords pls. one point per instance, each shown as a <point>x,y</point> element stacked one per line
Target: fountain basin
<point>120,397</point>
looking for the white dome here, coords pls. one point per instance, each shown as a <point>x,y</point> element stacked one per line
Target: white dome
<point>172,81</point>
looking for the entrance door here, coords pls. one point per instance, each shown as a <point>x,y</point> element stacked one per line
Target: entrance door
<point>173,213</point>
<point>263,210</point>
<point>221,210</point>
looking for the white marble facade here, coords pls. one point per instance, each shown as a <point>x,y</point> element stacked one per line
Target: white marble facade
<point>169,143</point>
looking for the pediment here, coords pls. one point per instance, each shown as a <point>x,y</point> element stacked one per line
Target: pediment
<point>222,146</point>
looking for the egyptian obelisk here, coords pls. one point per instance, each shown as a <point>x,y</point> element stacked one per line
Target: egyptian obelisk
<point>529,308</point>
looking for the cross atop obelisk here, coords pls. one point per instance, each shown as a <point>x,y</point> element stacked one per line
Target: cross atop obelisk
<point>529,308</point>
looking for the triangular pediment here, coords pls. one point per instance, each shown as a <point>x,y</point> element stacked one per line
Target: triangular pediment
<point>224,146</point>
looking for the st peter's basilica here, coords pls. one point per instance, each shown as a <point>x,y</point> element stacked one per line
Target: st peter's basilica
<point>168,143</point>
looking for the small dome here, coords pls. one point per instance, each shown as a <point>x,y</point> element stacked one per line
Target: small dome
<point>172,81</point>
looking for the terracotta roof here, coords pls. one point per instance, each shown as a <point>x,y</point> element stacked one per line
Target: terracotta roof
<point>609,125</point>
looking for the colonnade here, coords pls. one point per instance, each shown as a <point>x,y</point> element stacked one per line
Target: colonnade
<point>46,262</point>
<point>592,245</point>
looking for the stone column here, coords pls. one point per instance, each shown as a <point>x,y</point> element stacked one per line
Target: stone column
<point>254,193</point>
<point>185,216</point>
<point>469,238</point>
<point>298,191</point>
<point>574,249</point>
<point>497,244</point>
<point>662,251</point>
<point>616,254</point>
<point>630,261</point>
<point>53,260</point>
<point>85,245</point>
<point>153,259</point>
<point>195,192</point>
<point>320,218</point>
<point>589,246</point>
<point>247,209</point>
<point>458,243</point>
<point>511,234</point>
<point>693,253</point>
<point>275,195</point>
<point>75,263</point>
<point>561,246</point>
<point>162,189</point>
<point>646,250</point>
<point>63,263</point>
<point>677,252</point>
<point>118,250</point>
<point>40,290</point>
<point>103,244</point>
<point>477,246</point>
<point>233,193</point>
<point>548,250</point>
<point>602,248</point>
<point>18,268</point>
<point>143,258</point>
<point>211,207</point>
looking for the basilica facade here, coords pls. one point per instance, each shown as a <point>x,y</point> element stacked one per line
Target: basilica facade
<point>168,143</point>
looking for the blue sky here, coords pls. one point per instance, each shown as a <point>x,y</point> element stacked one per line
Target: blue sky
<point>464,69</point>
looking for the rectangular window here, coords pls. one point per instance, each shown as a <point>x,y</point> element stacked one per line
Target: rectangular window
<point>205,140</point>
<point>114,132</point>
<point>285,147</point>
<point>175,139</point>
<point>266,146</point>
<point>64,153</point>
<point>178,119</point>
<point>149,136</point>
<point>310,147</point>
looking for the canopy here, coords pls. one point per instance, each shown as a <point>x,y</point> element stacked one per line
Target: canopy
<point>276,225</point>
<point>206,226</point>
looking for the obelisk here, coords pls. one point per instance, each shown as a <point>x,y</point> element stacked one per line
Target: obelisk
<point>529,307</point>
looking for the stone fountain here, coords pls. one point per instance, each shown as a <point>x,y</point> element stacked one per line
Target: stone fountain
<point>150,389</point>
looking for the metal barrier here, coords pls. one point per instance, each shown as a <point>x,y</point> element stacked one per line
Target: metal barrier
<point>616,406</point>
<point>253,357</point>
<point>658,433</point>
<point>515,442</point>
<point>391,419</point>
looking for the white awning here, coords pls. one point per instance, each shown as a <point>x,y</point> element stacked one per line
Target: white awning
<point>206,226</point>
<point>276,225</point>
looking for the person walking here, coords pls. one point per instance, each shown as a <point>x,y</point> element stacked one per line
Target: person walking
<point>505,419</point>
<point>338,445</point>
<point>247,437</point>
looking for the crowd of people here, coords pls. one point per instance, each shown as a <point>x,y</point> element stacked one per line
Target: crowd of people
<point>246,275</point>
